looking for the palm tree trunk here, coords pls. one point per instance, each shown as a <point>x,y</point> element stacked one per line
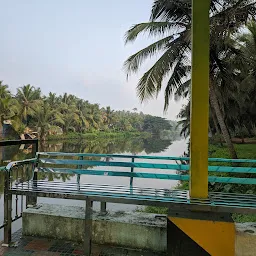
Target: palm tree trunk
<point>216,124</point>
<point>1,130</point>
<point>223,127</point>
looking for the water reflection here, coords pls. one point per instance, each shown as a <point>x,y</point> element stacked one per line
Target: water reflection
<point>99,146</point>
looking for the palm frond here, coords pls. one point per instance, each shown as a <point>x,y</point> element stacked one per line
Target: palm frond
<point>133,63</point>
<point>153,29</point>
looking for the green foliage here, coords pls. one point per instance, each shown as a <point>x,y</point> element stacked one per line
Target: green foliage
<point>155,124</point>
<point>232,65</point>
<point>67,116</point>
<point>246,151</point>
<point>96,135</point>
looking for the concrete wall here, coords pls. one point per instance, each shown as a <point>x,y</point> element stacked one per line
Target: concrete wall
<point>131,230</point>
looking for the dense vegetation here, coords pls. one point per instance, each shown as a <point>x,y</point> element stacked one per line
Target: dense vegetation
<point>232,85</point>
<point>29,110</point>
<point>232,63</point>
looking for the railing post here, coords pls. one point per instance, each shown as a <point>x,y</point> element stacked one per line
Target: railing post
<point>7,210</point>
<point>103,207</point>
<point>32,200</point>
<point>88,228</point>
<point>132,169</point>
<point>78,175</point>
<point>131,178</point>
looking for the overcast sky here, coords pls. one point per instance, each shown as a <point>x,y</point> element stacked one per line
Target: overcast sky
<point>75,46</point>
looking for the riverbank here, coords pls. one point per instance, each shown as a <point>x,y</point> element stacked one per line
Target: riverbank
<point>96,135</point>
<point>245,151</point>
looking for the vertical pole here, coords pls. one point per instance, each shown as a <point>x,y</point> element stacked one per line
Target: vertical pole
<point>78,175</point>
<point>7,210</point>
<point>200,99</point>
<point>36,147</point>
<point>103,207</point>
<point>32,200</point>
<point>131,178</point>
<point>88,228</point>
<point>132,169</point>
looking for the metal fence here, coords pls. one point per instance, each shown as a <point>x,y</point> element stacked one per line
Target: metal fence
<point>18,203</point>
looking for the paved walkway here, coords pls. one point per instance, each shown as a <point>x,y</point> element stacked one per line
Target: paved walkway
<point>24,246</point>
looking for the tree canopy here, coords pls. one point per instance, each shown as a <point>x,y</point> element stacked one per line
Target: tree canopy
<point>232,79</point>
<point>28,110</point>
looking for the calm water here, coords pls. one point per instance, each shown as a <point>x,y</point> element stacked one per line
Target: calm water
<point>140,146</point>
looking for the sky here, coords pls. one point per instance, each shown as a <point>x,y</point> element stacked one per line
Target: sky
<point>76,46</point>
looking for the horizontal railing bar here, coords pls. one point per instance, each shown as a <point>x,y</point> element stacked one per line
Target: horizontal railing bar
<point>68,184</point>
<point>2,168</point>
<point>161,192</point>
<point>142,197</point>
<point>233,199</point>
<point>17,163</point>
<point>184,205</point>
<point>2,226</point>
<point>16,218</point>
<point>178,167</point>
<point>91,184</point>
<point>232,180</point>
<point>145,175</point>
<point>233,194</point>
<point>18,142</point>
<point>88,193</point>
<point>145,157</point>
<point>84,189</point>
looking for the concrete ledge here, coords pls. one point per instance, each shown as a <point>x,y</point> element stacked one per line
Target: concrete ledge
<point>131,230</point>
<point>123,229</point>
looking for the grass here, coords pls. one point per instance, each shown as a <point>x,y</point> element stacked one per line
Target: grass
<point>247,151</point>
<point>243,151</point>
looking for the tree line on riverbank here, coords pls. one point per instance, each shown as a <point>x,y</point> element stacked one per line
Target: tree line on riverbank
<point>232,63</point>
<point>29,110</point>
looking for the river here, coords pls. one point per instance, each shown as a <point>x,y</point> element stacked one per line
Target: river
<point>139,146</point>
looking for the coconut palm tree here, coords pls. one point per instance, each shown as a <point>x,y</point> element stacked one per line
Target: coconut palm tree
<point>45,118</point>
<point>108,116</point>
<point>171,22</point>
<point>247,43</point>
<point>28,97</point>
<point>93,116</point>
<point>4,90</point>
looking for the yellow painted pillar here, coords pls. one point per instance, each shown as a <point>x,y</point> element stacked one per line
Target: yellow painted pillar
<point>199,100</point>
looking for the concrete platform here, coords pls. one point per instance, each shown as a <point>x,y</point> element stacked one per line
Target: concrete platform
<point>128,230</point>
<point>135,230</point>
<point>33,246</point>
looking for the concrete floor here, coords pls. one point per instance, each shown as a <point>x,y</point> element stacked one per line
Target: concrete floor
<point>24,246</point>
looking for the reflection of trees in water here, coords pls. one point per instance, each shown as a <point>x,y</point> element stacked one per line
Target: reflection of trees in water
<point>97,146</point>
<point>111,146</point>
<point>156,145</point>
<point>24,173</point>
